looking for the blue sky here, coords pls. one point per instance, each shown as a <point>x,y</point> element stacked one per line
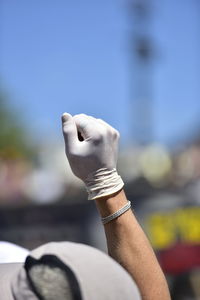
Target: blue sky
<point>74,56</point>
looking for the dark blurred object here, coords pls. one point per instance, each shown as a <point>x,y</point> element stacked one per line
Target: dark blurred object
<point>31,226</point>
<point>186,286</point>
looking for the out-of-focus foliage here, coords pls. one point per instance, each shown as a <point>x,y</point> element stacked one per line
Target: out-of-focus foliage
<point>13,135</point>
<point>29,171</point>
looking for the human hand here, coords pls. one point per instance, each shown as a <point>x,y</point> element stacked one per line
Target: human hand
<point>94,158</point>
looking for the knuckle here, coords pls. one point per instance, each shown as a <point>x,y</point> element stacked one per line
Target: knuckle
<point>78,116</point>
<point>75,117</point>
<point>97,138</point>
<point>104,132</point>
<point>82,115</point>
<point>67,128</point>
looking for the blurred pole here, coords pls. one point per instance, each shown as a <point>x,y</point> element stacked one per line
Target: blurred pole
<point>141,71</point>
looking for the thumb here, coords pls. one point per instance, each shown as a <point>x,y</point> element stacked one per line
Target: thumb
<point>69,131</point>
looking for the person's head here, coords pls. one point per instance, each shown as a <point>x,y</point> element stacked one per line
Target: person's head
<point>66,271</point>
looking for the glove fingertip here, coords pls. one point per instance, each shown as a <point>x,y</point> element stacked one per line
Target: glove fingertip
<point>66,117</point>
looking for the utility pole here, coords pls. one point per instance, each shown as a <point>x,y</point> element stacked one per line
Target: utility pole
<point>141,71</point>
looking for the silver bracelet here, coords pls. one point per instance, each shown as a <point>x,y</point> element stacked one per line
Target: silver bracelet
<point>118,213</point>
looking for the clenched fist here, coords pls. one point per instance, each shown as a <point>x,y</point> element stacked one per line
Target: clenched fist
<point>91,147</point>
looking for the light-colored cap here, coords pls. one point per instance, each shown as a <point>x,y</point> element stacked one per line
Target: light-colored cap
<point>99,276</point>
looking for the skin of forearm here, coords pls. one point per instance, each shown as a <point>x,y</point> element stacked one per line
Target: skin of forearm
<point>129,246</point>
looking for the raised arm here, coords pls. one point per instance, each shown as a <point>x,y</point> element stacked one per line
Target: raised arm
<point>93,159</point>
<point>128,245</point>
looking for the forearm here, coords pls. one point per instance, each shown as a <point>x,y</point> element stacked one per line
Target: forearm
<point>128,245</point>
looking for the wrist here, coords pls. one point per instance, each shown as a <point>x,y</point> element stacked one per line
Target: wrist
<point>103,183</point>
<point>110,204</point>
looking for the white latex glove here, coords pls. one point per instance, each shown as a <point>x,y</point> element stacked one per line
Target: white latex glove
<point>94,158</point>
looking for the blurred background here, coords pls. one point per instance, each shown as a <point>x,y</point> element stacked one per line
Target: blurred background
<point>133,63</point>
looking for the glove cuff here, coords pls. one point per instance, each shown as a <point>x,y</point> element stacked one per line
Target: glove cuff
<point>103,182</point>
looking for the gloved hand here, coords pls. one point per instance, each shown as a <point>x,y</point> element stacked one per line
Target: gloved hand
<point>94,158</point>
